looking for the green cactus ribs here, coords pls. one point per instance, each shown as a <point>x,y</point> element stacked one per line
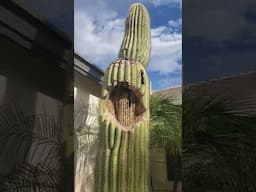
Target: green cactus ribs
<point>136,42</point>
<point>124,105</point>
<point>126,85</point>
<point>123,164</point>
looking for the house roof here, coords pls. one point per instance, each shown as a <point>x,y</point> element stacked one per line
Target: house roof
<point>20,26</point>
<point>59,16</point>
<point>84,67</point>
<point>174,94</point>
<point>240,90</point>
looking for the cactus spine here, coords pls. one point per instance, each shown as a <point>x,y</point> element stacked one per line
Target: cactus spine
<point>124,112</point>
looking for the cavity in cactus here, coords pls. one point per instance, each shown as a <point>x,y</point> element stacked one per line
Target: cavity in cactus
<point>123,162</point>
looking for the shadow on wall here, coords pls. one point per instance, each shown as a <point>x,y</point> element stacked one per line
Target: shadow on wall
<point>86,146</point>
<point>33,91</point>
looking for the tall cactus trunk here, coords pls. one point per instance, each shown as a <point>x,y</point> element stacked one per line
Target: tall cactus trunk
<point>122,164</point>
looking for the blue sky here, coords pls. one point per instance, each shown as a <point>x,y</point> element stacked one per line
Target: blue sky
<point>218,39</point>
<point>99,29</point>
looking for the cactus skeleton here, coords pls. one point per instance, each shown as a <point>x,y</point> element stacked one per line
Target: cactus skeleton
<point>122,163</point>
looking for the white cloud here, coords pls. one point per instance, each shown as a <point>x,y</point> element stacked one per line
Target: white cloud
<point>175,24</point>
<point>166,50</point>
<point>218,21</point>
<point>98,40</point>
<point>99,43</point>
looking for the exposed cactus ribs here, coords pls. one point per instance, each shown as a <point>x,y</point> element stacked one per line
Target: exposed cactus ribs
<point>125,105</point>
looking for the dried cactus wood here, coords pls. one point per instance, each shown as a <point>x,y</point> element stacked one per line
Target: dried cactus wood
<point>122,164</point>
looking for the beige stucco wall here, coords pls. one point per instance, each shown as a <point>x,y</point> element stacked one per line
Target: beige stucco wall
<point>158,170</point>
<point>158,163</point>
<point>87,93</point>
<point>24,97</point>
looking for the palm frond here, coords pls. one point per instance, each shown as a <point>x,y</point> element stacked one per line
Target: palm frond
<point>216,144</point>
<point>165,124</point>
<point>32,153</point>
<point>28,177</point>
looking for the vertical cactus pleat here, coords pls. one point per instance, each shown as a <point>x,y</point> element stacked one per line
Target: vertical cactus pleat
<point>114,161</point>
<point>122,162</point>
<point>136,42</point>
<point>130,162</point>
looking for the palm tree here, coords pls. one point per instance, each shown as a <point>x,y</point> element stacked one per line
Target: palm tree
<point>31,153</point>
<point>165,121</point>
<point>218,146</point>
<point>165,132</point>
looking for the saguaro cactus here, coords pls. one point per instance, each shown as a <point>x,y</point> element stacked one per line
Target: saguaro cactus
<point>122,164</point>
<point>136,42</point>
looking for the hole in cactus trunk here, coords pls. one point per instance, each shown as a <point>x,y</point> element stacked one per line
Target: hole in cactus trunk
<point>142,77</point>
<point>125,105</point>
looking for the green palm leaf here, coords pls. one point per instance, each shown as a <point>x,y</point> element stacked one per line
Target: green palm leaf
<point>32,157</point>
<point>218,146</point>
<point>165,124</point>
